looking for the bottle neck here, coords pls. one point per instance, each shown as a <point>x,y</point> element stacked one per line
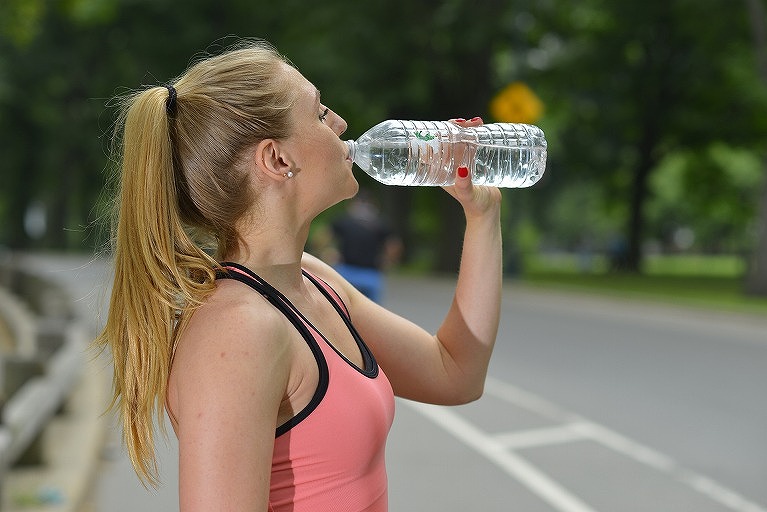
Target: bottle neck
<point>352,148</point>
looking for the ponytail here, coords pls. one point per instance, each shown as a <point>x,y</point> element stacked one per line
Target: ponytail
<point>158,273</point>
<point>181,151</point>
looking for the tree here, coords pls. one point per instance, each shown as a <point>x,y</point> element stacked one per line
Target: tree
<point>636,81</point>
<point>625,85</point>
<point>756,280</point>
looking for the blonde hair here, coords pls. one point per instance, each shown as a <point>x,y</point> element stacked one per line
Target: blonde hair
<point>182,191</point>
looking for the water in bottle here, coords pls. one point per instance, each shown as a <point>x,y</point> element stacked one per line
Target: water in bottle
<point>427,153</point>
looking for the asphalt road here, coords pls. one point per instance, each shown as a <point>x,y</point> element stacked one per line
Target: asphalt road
<point>591,405</point>
<point>595,404</point>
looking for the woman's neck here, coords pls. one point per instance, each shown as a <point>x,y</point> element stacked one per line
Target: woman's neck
<point>276,258</point>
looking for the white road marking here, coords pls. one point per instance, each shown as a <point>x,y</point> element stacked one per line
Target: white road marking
<point>514,465</point>
<point>526,400</point>
<point>626,446</point>
<point>499,449</point>
<point>621,444</point>
<point>719,493</point>
<point>540,436</point>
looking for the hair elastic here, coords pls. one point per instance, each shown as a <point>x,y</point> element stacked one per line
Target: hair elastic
<point>170,103</point>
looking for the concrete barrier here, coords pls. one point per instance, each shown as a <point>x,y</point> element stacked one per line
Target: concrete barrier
<point>29,409</point>
<point>40,373</point>
<point>19,320</point>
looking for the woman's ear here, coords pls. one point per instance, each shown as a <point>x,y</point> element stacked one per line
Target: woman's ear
<point>272,160</point>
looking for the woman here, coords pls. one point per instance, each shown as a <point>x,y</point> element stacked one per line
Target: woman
<point>276,373</point>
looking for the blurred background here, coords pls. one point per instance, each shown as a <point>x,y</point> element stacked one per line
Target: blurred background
<point>655,113</point>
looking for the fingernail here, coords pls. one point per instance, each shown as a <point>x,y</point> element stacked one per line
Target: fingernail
<point>460,120</point>
<point>474,119</point>
<point>463,172</point>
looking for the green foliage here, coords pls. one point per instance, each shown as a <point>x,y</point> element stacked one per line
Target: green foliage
<point>713,191</point>
<point>581,218</point>
<point>631,84</point>
<point>711,282</point>
<point>652,114</point>
<point>89,12</point>
<point>20,20</point>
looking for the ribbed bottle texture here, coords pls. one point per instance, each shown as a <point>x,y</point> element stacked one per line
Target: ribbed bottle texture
<point>427,153</point>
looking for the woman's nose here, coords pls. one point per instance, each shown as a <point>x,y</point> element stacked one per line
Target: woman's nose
<point>340,125</point>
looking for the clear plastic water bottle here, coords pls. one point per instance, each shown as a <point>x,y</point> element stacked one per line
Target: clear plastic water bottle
<point>427,153</point>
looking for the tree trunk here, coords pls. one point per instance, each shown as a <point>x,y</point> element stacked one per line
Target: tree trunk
<point>756,278</point>
<point>632,261</point>
<point>22,181</point>
<point>639,192</point>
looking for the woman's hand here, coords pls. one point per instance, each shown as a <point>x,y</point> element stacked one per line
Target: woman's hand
<point>477,201</point>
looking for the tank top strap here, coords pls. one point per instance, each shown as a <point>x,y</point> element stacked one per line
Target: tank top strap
<point>370,366</point>
<point>244,275</point>
<point>229,270</point>
<point>329,293</point>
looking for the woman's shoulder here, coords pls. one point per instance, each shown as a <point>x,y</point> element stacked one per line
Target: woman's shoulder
<point>313,264</point>
<point>232,348</point>
<point>233,316</point>
<point>317,267</point>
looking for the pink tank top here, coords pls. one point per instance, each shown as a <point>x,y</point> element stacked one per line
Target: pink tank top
<point>330,455</point>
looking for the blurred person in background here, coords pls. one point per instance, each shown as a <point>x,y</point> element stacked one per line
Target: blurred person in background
<point>366,245</point>
<point>277,374</point>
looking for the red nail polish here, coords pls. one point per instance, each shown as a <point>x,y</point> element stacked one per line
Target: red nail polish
<point>474,119</point>
<point>460,120</point>
<point>463,172</point>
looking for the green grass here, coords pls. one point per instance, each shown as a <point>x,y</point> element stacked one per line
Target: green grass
<point>714,282</point>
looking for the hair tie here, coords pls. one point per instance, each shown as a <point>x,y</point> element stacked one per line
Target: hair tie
<point>170,103</point>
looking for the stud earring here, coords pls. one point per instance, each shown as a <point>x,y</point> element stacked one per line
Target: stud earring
<point>288,174</point>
